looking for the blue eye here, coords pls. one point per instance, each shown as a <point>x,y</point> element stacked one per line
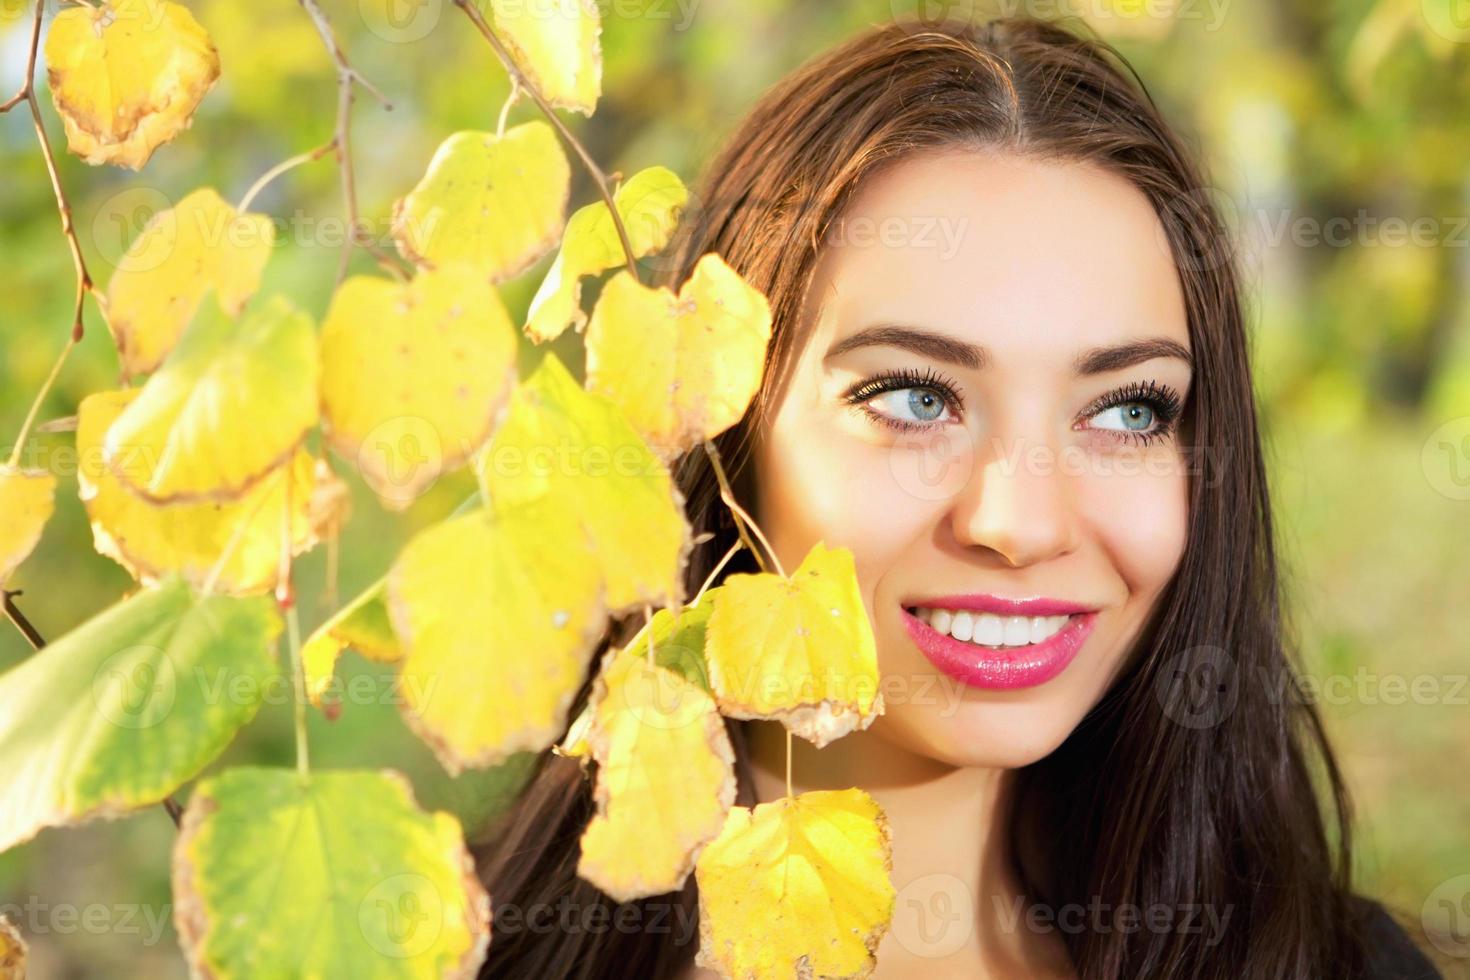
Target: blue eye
<point>906,399</point>
<point>1130,417</point>
<point>1141,412</point>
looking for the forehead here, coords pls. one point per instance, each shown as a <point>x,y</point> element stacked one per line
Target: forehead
<point>1004,250</point>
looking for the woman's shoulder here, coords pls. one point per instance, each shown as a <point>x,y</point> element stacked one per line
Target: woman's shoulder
<point>1392,954</point>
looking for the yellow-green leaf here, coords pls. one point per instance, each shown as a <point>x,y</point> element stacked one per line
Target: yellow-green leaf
<point>336,875</point>
<point>563,442</point>
<point>682,368</point>
<point>27,498</point>
<point>498,614</point>
<point>230,404</point>
<point>649,203</point>
<point>798,887</point>
<point>182,252</point>
<point>797,649</point>
<point>125,708</point>
<point>152,540</point>
<point>413,375</point>
<point>497,204</point>
<point>665,777</point>
<point>557,46</point>
<point>126,76</point>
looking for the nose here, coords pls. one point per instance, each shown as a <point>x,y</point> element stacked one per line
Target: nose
<point>1017,503</point>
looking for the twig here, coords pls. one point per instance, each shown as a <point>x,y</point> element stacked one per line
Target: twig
<point>520,79</point>
<point>30,419</point>
<point>27,94</point>
<point>281,168</point>
<point>742,519</point>
<point>13,613</point>
<point>347,78</point>
<point>37,641</point>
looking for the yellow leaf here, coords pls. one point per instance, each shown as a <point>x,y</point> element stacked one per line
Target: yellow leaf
<point>13,951</point>
<point>798,649</point>
<point>152,540</point>
<point>27,498</point>
<point>199,243</point>
<point>498,614</point>
<point>665,777</point>
<point>649,204</point>
<point>230,404</point>
<point>126,76</point>
<point>557,46</point>
<point>563,442</point>
<point>797,888</point>
<point>362,624</point>
<point>413,375</point>
<point>498,204</point>
<point>682,368</point>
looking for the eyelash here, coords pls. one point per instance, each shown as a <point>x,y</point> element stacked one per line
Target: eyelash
<point>1161,399</point>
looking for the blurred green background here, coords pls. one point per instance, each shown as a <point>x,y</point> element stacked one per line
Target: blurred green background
<point>1337,136</point>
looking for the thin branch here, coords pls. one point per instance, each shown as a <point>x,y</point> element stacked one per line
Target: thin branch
<point>520,79</point>
<point>347,78</point>
<point>13,613</point>
<point>37,641</point>
<point>742,519</point>
<point>27,94</point>
<point>30,419</point>
<point>281,168</point>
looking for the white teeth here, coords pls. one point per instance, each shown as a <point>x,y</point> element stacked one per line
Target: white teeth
<point>988,629</point>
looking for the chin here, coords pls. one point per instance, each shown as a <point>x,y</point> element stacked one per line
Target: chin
<point>989,734</point>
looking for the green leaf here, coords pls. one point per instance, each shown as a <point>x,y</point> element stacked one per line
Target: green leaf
<point>127,707</point>
<point>338,874</point>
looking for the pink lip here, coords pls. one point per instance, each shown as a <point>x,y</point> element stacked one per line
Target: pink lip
<point>1001,606</point>
<point>1009,668</point>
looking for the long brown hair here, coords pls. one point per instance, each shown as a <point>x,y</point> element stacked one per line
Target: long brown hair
<point>1145,802</point>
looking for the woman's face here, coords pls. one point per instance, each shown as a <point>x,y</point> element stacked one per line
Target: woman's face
<point>984,409</point>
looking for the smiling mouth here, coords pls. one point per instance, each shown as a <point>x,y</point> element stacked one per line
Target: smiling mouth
<point>990,630</point>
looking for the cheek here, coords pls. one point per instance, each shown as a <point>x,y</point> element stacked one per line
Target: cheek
<point>1139,517</point>
<point>815,484</point>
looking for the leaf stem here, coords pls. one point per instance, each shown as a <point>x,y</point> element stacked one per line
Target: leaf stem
<point>788,764</point>
<point>30,419</point>
<point>27,94</point>
<point>710,579</point>
<point>519,78</point>
<point>347,78</point>
<point>281,168</point>
<point>298,680</point>
<point>742,519</point>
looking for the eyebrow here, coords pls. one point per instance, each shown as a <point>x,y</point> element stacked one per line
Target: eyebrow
<point>1094,360</point>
